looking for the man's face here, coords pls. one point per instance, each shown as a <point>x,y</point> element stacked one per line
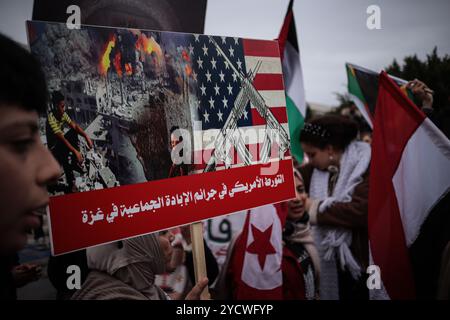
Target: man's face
<point>61,109</point>
<point>26,167</point>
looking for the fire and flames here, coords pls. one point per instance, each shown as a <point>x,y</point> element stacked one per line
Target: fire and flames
<point>104,60</point>
<point>187,59</point>
<point>128,69</point>
<point>185,56</point>
<point>188,70</point>
<point>146,45</point>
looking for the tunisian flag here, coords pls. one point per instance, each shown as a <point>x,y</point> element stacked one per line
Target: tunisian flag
<point>258,254</point>
<point>409,174</point>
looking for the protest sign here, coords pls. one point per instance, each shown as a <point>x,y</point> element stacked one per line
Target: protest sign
<point>159,129</point>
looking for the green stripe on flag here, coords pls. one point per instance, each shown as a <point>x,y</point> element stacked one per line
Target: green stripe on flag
<point>296,123</point>
<point>353,86</point>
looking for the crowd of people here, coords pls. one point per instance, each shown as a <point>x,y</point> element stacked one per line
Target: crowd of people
<point>325,237</point>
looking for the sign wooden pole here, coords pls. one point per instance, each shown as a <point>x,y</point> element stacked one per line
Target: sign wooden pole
<point>198,255</point>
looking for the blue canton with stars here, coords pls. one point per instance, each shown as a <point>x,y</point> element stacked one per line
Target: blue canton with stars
<point>217,84</point>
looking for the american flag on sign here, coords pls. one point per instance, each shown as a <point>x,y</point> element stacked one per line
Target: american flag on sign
<point>240,89</point>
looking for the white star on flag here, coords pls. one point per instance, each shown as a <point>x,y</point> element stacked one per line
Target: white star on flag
<point>225,102</point>
<point>205,50</point>
<point>206,115</point>
<point>208,76</point>
<point>213,63</point>
<point>231,51</point>
<point>222,76</point>
<point>203,88</point>
<point>216,89</point>
<point>200,63</point>
<point>211,102</point>
<point>239,63</point>
<point>230,89</point>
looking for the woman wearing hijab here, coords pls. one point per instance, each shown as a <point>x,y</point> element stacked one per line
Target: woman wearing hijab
<point>301,265</point>
<point>337,180</point>
<point>126,270</point>
<point>300,260</point>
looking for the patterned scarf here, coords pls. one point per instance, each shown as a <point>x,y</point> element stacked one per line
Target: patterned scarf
<point>333,243</point>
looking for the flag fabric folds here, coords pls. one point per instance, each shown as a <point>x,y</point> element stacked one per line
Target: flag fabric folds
<point>363,89</point>
<point>293,80</point>
<point>409,175</point>
<point>258,254</point>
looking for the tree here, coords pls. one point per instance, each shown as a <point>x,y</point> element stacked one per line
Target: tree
<point>434,71</point>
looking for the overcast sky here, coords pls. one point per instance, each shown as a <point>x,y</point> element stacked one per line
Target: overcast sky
<point>331,32</point>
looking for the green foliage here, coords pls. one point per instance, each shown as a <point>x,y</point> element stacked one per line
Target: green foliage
<point>434,71</point>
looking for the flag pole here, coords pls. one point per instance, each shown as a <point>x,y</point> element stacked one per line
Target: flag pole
<point>198,255</point>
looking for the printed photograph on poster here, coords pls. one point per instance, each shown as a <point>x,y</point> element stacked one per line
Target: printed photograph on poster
<point>128,107</point>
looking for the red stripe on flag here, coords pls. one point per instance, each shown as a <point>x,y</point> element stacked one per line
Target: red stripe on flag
<point>396,119</point>
<point>284,32</point>
<point>268,81</point>
<point>278,112</point>
<point>261,48</point>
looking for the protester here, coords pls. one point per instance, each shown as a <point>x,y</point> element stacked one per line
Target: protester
<point>26,165</point>
<point>64,145</point>
<point>175,278</point>
<point>180,275</point>
<point>300,257</point>
<point>126,270</point>
<point>300,263</point>
<point>423,96</point>
<point>337,180</point>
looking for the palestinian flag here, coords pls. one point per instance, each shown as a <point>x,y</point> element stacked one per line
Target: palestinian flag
<point>363,89</point>
<point>409,217</point>
<point>293,81</point>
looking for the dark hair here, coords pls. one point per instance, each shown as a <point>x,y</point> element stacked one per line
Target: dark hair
<point>57,97</point>
<point>22,81</point>
<point>175,128</point>
<point>337,131</point>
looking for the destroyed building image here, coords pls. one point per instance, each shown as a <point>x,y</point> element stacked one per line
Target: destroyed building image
<point>125,89</point>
